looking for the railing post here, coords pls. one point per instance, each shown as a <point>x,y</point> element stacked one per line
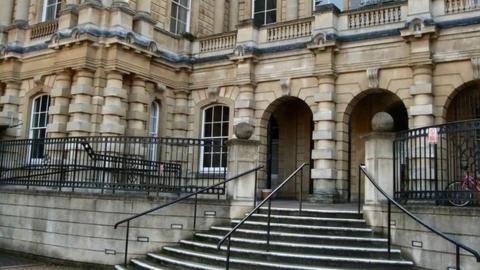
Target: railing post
<point>359,187</point>
<point>268,224</point>
<point>195,214</point>
<point>457,267</point>
<point>255,191</point>
<point>228,253</point>
<point>301,191</point>
<point>389,228</point>
<point>75,164</point>
<point>126,244</point>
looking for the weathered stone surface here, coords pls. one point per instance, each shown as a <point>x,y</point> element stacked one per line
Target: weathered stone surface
<point>382,121</point>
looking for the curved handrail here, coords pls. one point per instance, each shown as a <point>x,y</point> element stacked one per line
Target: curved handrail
<point>260,205</point>
<point>186,196</point>
<point>418,220</point>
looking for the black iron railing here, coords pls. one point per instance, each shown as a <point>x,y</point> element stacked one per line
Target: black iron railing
<point>427,160</point>
<point>257,207</point>
<point>458,246</point>
<point>109,164</point>
<point>195,194</point>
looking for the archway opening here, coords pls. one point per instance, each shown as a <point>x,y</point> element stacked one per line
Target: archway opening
<point>362,112</point>
<point>289,144</point>
<point>465,103</point>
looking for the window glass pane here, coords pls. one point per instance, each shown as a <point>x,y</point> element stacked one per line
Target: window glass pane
<point>259,5</point>
<point>217,130</point>
<point>182,28</point>
<point>271,17</point>
<point>207,161</point>
<point>44,103</point>
<point>259,19</point>
<point>216,160</point>
<point>173,25</point>
<point>184,3</point>
<point>208,131</point>
<point>208,115</point>
<point>51,2</point>
<point>182,15</point>
<point>50,13</point>
<point>226,115</point>
<point>217,115</point>
<point>225,129</point>
<point>43,120</point>
<point>271,4</point>
<point>224,160</point>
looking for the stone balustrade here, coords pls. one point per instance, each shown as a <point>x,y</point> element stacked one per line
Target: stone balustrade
<point>43,29</point>
<point>289,30</point>
<point>218,42</point>
<point>457,6</point>
<point>374,17</point>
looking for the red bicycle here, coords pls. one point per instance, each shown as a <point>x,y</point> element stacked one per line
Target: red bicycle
<point>461,193</point>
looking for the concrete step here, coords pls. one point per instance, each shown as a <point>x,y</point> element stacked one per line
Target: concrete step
<point>313,212</point>
<point>320,221</point>
<point>303,248</point>
<point>306,229</point>
<point>237,255</point>
<point>303,237</point>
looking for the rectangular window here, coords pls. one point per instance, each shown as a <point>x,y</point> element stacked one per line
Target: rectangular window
<point>51,9</point>
<point>264,11</point>
<point>180,16</point>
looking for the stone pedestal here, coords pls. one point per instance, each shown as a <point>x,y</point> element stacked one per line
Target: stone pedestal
<point>243,155</point>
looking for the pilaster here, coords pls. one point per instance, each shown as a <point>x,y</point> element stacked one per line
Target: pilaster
<point>143,22</point>
<point>137,114</point>
<point>81,107</point>
<point>5,19</point>
<point>180,113</point>
<point>59,109</point>
<point>114,110</point>
<point>11,102</point>
<point>422,93</point>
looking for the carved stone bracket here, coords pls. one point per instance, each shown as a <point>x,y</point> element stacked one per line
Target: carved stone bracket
<point>372,76</point>
<point>213,91</point>
<point>285,85</point>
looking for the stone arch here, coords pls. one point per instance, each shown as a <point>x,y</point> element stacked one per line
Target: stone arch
<point>463,102</point>
<point>356,122</point>
<point>297,136</point>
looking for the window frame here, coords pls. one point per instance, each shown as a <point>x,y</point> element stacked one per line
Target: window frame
<point>187,21</point>
<point>153,146</point>
<point>202,136</point>
<point>45,8</point>
<point>265,12</point>
<point>31,128</point>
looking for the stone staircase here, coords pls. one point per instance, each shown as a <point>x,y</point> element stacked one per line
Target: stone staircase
<point>314,239</point>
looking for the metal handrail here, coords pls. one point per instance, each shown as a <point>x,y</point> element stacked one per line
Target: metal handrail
<point>268,198</point>
<point>362,169</point>
<point>127,220</point>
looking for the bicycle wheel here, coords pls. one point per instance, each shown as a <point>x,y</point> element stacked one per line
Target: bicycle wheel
<point>459,194</point>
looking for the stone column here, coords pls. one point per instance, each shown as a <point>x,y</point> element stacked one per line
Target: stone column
<point>233,15</point>
<point>6,13</point>
<point>422,92</point>
<point>21,12</point>
<point>324,173</point>
<point>379,158</point>
<point>219,20</point>
<point>60,95</point>
<point>81,107</point>
<point>11,102</point>
<point>113,110</point>
<point>292,10</point>
<point>243,155</point>
<point>143,22</point>
<point>137,114</point>
<point>180,114</point>
<point>245,105</point>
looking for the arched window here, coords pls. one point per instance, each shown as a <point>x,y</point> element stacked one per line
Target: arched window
<point>38,125</point>
<point>154,118</point>
<point>215,126</point>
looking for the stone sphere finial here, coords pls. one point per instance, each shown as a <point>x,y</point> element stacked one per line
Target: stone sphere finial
<point>382,121</point>
<point>243,130</point>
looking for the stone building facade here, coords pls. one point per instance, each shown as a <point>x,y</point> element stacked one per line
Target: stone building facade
<point>307,78</point>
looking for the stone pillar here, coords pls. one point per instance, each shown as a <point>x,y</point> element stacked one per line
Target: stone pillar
<point>245,105</point>
<point>81,107</point>
<point>180,114</point>
<point>143,22</point>
<point>219,20</point>
<point>233,15</point>
<point>243,155</point>
<point>324,173</point>
<point>68,15</point>
<point>292,10</point>
<point>21,12</point>
<point>379,157</point>
<point>60,95</point>
<point>137,114</point>
<point>422,92</point>
<point>6,14</point>
<point>11,101</point>
<point>113,110</point>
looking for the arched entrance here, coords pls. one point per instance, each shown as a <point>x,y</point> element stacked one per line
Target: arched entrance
<point>465,103</point>
<point>289,143</point>
<point>362,110</point>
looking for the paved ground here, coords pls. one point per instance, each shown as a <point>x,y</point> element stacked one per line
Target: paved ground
<point>17,262</point>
